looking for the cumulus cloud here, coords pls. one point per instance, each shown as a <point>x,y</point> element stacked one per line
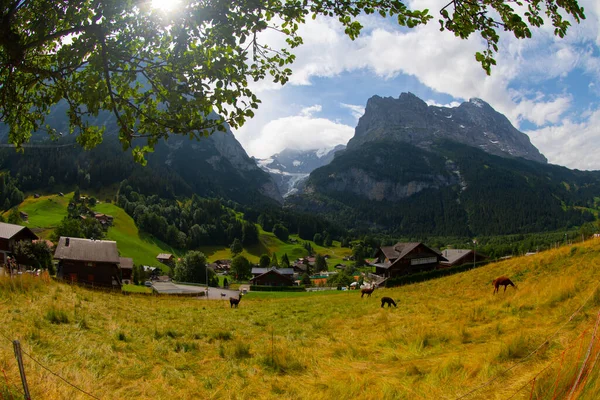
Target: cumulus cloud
<point>302,132</point>
<point>446,65</point>
<point>570,143</point>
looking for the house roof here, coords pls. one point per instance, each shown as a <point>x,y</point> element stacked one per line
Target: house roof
<point>403,249</point>
<point>274,271</point>
<point>281,271</point>
<point>453,255</point>
<point>389,252</point>
<point>87,250</point>
<point>164,256</point>
<point>7,231</point>
<point>126,262</point>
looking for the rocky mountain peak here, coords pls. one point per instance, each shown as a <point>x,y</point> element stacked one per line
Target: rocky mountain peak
<point>474,123</point>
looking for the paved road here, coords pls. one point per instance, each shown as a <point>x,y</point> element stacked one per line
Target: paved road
<point>213,293</point>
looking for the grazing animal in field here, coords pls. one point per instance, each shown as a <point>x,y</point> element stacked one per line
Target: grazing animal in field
<point>366,291</point>
<point>235,302</point>
<point>389,302</point>
<point>223,294</point>
<point>502,281</point>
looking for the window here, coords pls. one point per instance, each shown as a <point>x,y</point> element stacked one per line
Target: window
<point>420,261</point>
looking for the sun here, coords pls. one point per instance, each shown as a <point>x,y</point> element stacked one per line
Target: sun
<point>166,5</point>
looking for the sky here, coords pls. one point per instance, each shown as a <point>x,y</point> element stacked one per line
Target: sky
<point>548,87</point>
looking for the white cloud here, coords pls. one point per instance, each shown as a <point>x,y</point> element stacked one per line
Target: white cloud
<point>355,110</point>
<point>572,144</point>
<point>309,111</point>
<point>302,132</point>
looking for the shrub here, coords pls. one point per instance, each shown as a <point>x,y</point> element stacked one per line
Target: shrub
<point>56,316</point>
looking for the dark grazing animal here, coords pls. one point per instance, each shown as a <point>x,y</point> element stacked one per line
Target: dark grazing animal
<point>502,281</point>
<point>223,294</point>
<point>389,302</point>
<point>235,302</point>
<point>366,291</point>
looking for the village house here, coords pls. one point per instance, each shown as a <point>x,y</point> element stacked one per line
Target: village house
<point>11,234</point>
<point>92,262</point>
<point>126,265</point>
<point>406,258</point>
<point>456,257</point>
<point>104,219</point>
<point>24,216</point>
<point>273,276</point>
<point>166,258</point>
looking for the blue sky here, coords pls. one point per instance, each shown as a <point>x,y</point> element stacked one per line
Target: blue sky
<point>548,87</point>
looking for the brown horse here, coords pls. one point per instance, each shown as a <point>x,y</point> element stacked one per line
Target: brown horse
<point>366,291</point>
<point>389,302</point>
<point>235,302</point>
<point>502,281</point>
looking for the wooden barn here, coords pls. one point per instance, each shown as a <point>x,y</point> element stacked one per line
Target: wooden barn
<point>273,276</point>
<point>166,258</point>
<point>11,234</point>
<point>91,262</point>
<point>406,258</point>
<point>456,257</point>
<point>126,265</point>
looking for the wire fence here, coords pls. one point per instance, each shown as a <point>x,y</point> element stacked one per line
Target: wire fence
<point>12,388</point>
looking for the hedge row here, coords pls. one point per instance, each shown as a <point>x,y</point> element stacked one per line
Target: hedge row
<point>428,275</point>
<point>259,288</point>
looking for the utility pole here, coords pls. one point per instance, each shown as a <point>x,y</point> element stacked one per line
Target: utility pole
<point>474,251</point>
<point>19,356</point>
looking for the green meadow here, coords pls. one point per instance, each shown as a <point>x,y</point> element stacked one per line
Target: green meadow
<point>449,338</point>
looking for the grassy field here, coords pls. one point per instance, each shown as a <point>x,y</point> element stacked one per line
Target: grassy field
<point>447,338</point>
<point>131,242</point>
<point>45,212</point>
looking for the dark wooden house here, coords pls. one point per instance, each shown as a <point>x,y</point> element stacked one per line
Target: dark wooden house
<point>456,257</point>
<point>406,258</point>
<point>92,262</point>
<point>126,265</point>
<point>11,234</point>
<point>273,277</point>
<point>166,258</point>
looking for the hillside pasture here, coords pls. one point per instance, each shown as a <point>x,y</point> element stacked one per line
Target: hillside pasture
<point>143,248</point>
<point>447,338</point>
<point>45,212</point>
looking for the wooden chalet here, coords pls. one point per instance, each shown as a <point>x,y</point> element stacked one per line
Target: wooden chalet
<point>92,262</point>
<point>406,258</point>
<point>11,234</point>
<point>126,265</point>
<point>166,258</point>
<point>456,257</point>
<point>273,276</point>
<point>104,219</point>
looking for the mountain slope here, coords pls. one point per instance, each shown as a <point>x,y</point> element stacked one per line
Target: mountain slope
<point>410,172</point>
<point>474,123</point>
<point>290,168</point>
<point>215,166</point>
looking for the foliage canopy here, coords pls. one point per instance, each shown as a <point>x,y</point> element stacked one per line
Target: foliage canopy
<point>162,73</point>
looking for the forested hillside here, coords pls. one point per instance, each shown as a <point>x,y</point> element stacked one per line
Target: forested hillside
<point>451,190</point>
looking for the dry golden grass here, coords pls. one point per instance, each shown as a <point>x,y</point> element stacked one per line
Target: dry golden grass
<point>446,338</point>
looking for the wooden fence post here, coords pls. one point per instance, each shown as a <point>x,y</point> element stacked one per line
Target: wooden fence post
<point>19,356</point>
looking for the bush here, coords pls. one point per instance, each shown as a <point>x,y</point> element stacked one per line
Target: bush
<point>57,317</point>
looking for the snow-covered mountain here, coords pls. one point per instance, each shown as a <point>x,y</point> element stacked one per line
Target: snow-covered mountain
<point>290,168</point>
